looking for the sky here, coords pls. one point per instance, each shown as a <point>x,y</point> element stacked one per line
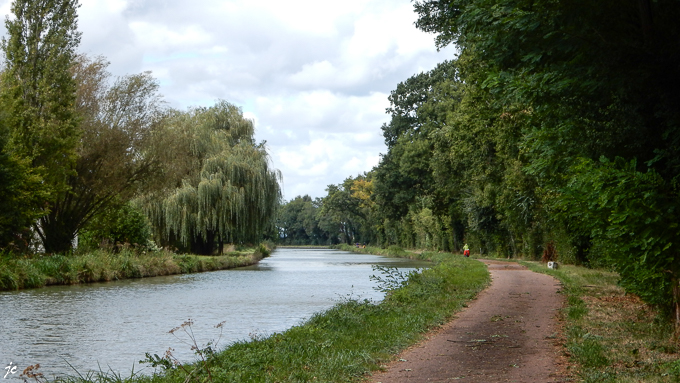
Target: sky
<point>313,75</point>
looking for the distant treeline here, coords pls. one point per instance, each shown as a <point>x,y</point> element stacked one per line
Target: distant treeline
<point>555,130</point>
<point>103,161</point>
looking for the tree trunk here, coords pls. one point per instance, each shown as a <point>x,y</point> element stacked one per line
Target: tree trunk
<point>676,305</point>
<point>204,246</point>
<point>583,244</point>
<point>56,235</point>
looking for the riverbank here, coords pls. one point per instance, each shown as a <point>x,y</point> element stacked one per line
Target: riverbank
<point>22,272</point>
<point>394,251</point>
<point>341,344</point>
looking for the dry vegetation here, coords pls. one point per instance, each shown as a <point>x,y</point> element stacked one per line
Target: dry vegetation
<point>611,336</point>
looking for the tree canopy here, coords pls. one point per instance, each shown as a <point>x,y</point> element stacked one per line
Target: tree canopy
<point>78,146</point>
<point>300,222</point>
<point>225,187</point>
<point>557,123</point>
<point>115,160</point>
<point>39,131</point>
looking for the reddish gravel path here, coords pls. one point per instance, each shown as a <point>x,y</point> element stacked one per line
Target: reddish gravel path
<point>508,334</point>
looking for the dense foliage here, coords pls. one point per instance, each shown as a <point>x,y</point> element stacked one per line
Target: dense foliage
<point>558,123</point>
<point>300,223</point>
<point>226,191</point>
<point>345,215</point>
<point>584,96</point>
<point>82,153</point>
<point>39,122</point>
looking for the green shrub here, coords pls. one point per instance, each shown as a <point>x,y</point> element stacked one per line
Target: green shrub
<point>263,250</point>
<point>396,250</point>
<point>117,228</point>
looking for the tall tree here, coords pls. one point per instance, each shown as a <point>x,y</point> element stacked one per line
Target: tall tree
<point>38,93</point>
<point>349,205</point>
<point>226,190</point>
<point>300,224</point>
<point>18,198</point>
<point>406,179</point>
<point>115,160</point>
<point>404,172</point>
<point>595,85</point>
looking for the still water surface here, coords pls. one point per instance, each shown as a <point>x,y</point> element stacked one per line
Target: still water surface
<point>111,325</point>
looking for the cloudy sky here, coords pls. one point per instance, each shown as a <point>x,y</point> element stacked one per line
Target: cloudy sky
<point>313,75</point>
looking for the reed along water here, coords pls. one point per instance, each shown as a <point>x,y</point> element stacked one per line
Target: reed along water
<point>110,326</point>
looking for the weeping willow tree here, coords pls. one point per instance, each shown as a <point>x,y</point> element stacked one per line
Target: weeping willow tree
<point>226,190</point>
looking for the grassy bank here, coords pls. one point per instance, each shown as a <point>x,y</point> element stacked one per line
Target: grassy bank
<point>341,344</point>
<point>20,272</point>
<point>396,251</point>
<point>611,336</point>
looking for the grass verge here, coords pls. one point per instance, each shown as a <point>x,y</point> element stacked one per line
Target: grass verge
<point>396,251</point>
<point>21,272</point>
<point>612,336</point>
<point>341,344</point>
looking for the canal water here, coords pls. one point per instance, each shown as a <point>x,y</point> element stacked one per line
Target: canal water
<point>110,326</point>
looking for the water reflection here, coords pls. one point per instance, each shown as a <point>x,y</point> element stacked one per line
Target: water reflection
<point>112,325</point>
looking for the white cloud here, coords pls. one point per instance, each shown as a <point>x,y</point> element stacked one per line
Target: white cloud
<point>5,7</point>
<point>179,41</point>
<point>334,156</point>
<point>313,75</point>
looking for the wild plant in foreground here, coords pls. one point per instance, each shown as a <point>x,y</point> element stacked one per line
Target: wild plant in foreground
<point>392,278</point>
<point>31,372</point>
<point>205,354</point>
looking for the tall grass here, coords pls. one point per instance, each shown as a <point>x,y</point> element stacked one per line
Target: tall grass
<point>21,272</point>
<point>394,251</point>
<point>344,343</point>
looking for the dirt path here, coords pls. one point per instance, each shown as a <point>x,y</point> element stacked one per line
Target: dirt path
<point>508,334</point>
